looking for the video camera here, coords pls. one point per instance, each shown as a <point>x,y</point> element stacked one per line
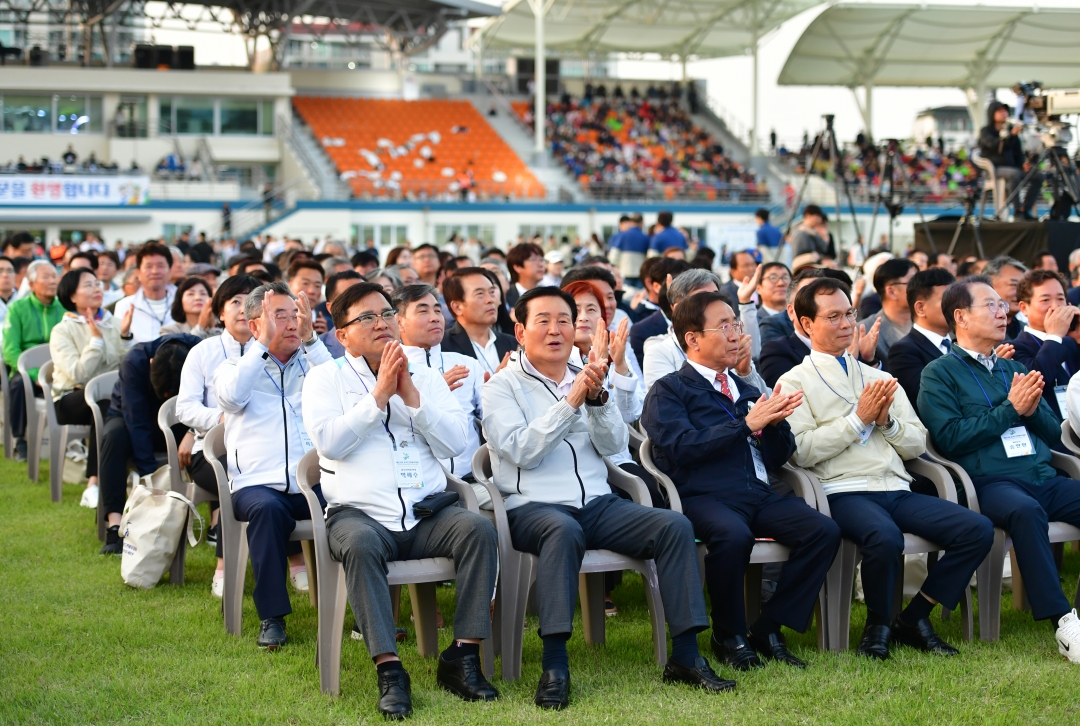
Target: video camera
<point>1048,107</point>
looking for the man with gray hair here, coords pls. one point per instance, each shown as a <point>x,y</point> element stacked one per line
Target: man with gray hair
<point>663,354</point>
<point>29,322</point>
<point>260,393</point>
<point>1005,273</point>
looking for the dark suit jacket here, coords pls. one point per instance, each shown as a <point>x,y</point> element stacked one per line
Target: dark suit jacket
<point>1056,361</point>
<point>774,326</point>
<point>906,360</point>
<point>457,340</point>
<point>1013,330</point>
<point>701,441</point>
<point>779,356</point>
<point>644,329</point>
<point>512,295</point>
<point>1073,296</point>
<point>869,304</point>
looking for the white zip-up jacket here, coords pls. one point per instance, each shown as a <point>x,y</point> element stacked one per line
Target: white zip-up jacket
<point>542,450</point>
<point>356,439</point>
<point>263,425</point>
<point>78,356</point>
<point>145,325</point>
<point>196,404</point>
<point>627,393</point>
<point>467,395</point>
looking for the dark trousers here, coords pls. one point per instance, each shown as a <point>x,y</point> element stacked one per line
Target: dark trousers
<point>728,526</point>
<point>876,521</point>
<point>202,473</point>
<point>559,536</point>
<point>17,401</point>
<point>1024,510</point>
<point>72,410</point>
<point>271,516</point>
<point>1025,201</point>
<point>116,451</point>
<point>656,493</point>
<point>363,546</point>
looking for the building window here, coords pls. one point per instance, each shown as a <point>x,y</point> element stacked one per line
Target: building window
<point>64,114</point>
<point>239,116</point>
<point>27,114</point>
<point>194,115</point>
<point>213,117</point>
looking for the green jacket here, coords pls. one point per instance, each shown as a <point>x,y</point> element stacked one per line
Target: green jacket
<point>28,323</point>
<point>964,427</point>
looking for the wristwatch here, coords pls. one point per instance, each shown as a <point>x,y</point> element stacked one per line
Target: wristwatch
<point>600,399</point>
<point>313,341</point>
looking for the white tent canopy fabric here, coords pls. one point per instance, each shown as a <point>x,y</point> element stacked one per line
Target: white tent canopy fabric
<point>972,47</point>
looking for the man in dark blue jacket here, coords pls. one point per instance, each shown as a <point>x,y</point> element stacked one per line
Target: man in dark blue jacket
<point>929,336</point>
<point>149,375</point>
<point>717,438</point>
<point>1048,343</point>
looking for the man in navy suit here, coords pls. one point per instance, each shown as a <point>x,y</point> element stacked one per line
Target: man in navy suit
<point>718,437</point>
<point>1048,343</point>
<point>929,336</point>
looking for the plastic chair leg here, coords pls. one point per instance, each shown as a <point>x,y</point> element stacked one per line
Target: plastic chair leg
<point>422,596</point>
<point>656,612</point>
<point>516,573</point>
<point>235,556</point>
<point>331,583</point>
<point>308,548</point>
<point>591,592</point>
<point>839,583</point>
<point>34,435</point>
<point>1019,598</point>
<point>57,448</point>
<point>176,571</point>
<point>988,583</point>
<point>752,591</point>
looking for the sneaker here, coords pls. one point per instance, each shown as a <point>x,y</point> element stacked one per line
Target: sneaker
<point>217,585</point>
<point>1068,636</point>
<point>299,580</point>
<point>609,608</point>
<point>212,535</point>
<point>400,634</point>
<point>114,543</point>
<point>20,450</point>
<point>89,498</point>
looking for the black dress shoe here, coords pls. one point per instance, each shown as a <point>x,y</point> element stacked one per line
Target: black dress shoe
<point>701,676</point>
<point>395,694</point>
<point>271,634</point>
<point>921,635</point>
<point>736,652</point>
<point>554,689</point>
<point>20,450</point>
<point>464,677</point>
<point>875,642</point>
<point>774,647</point>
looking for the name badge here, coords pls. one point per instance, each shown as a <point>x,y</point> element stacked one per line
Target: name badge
<point>1059,392</point>
<point>407,474</point>
<point>305,440</point>
<point>759,463</point>
<point>1017,442</point>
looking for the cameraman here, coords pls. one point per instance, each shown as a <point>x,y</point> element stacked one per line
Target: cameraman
<point>1000,145</point>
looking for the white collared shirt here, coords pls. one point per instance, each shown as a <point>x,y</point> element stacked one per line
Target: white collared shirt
<point>934,338</point>
<point>1043,336</point>
<point>145,323</point>
<point>803,338</point>
<point>562,387</point>
<point>710,375</point>
<point>487,354</point>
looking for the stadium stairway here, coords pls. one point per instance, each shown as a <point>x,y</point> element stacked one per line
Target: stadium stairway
<point>313,158</point>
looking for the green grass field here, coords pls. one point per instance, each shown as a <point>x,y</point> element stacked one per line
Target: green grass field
<point>77,646</point>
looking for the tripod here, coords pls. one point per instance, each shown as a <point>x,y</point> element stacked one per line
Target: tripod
<point>1064,182</point>
<point>968,217</point>
<point>827,140</point>
<point>891,204</point>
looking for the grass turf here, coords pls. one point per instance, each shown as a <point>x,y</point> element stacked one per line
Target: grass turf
<point>77,646</point>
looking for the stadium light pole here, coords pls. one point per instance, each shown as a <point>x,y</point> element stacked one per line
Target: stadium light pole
<point>539,82</point>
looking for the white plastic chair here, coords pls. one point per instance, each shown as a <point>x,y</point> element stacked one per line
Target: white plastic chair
<point>234,538</point>
<point>421,576</point>
<point>992,185</point>
<point>9,440</point>
<point>31,358</point>
<point>100,388</point>
<point>517,573</point>
<point>764,551</point>
<point>59,436</point>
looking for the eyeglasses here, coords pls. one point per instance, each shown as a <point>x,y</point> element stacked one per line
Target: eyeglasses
<point>89,286</point>
<point>834,320</point>
<point>777,278</point>
<point>727,329</point>
<point>993,306</point>
<point>286,318</point>
<point>368,320</point>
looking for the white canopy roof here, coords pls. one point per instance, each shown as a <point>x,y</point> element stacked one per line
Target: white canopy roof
<point>965,46</point>
<point>687,28</point>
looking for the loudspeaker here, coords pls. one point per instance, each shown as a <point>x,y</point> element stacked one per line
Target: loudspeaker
<point>143,56</point>
<point>163,57</point>
<point>184,58</point>
<point>38,57</point>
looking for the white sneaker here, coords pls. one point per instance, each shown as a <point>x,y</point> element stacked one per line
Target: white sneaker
<point>1068,636</point>
<point>299,581</point>
<point>89,498</point>
<point>217,585</point>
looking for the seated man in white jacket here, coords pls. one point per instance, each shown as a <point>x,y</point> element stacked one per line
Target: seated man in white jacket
<point>265,438</point>
<point>548,425</point>
<point>421,322</point>
<point>381,427</point>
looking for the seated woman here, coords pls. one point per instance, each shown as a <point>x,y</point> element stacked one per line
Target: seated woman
<point>191,310</point>
<point>85,343</point>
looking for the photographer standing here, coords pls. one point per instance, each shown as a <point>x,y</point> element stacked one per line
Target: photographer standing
<point>999,143</point>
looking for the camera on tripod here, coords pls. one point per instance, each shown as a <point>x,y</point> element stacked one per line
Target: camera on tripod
<point>1048,107</point>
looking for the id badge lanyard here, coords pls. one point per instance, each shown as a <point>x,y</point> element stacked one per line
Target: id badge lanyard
<point>305,440</point>
<point>407,471</point>
<point>1015,439</point>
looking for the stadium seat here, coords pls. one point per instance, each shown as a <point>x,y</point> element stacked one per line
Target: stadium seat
<point>234,538</point>
<point>421,576</point>
<point>517,574</point>
<point>100,388</point>
<point>59,436</point>
<point>29,359</point>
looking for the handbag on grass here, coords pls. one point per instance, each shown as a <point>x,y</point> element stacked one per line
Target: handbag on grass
<point>154,521</point>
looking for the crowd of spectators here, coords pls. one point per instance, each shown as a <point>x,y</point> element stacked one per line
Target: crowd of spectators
<point>68,163</point>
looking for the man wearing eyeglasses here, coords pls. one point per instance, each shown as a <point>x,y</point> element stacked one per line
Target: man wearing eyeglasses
<point>260,395</point>
<point>988,414</point>
<point>381,427</point>
<point>718,438</point>
<point>890,281</point>
<point>854,431</point>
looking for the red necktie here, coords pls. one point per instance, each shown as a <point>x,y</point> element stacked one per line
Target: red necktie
<point>722,378</point>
